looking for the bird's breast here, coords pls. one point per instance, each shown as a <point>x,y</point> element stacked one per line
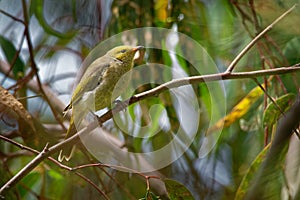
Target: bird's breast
<point>112,84</point>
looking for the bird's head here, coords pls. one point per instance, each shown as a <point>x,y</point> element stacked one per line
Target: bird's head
<point>124,53</point>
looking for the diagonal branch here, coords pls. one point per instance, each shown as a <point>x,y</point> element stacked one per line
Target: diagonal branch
<point>11,16</point>
<point>198,79</point>
<point>54,161</point>
<point>251,44</point>
<point>34,65</point>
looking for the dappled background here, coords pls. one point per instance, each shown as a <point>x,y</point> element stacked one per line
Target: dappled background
<point>43,44</point>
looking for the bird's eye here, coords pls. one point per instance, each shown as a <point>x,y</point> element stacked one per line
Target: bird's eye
<point>123,51</point>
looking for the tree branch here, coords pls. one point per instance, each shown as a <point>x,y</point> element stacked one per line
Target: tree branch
<point>11,16</point>
<point>34,65</point>
<point>248,47</point>
<point>197,79</point>
<point>55,162</point>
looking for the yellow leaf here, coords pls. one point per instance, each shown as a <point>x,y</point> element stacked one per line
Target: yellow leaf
<point>239,110</point>
<point>161,8</point>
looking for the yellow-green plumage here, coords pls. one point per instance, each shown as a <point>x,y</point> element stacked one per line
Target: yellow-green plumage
<point>99,80</point>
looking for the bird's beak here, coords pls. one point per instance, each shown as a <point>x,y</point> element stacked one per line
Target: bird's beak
<point>137,48</point>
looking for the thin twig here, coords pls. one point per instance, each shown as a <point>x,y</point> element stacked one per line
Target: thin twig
<point>25,170</point>
<point>271,63</point>
<point>93,184</point>
<point>55,162</point>
<point>248,47</point>
<point>34,66</point>
<point>14,60</point>
<point>255,20</point>
<point>114,167</point>
<point>146,177</point>
<point>45,154</point>
<point>266,129</point>
<point>11,16</point>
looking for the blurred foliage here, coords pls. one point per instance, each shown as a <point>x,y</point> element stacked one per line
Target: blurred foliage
<point>62,33</point>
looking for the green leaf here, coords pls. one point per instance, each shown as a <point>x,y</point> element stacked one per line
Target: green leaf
<point>32,181</point>
<point>291,50</point>
<point>155,113</point>
<point>37,8</point>
<point>182,62</point>
<point>10,53</point>
<point>272,112</point>
<point>56,184</point>
<point>245,184</point>
<point>177,190</point>
<point>32,7</point>
<point>165,55</point>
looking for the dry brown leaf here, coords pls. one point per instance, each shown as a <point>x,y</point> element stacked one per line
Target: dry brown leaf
<point>8,101</point>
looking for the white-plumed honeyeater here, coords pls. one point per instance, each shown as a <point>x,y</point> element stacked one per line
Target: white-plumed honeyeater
<point>99,82</point>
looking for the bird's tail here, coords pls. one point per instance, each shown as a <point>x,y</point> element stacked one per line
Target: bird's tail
<point>67,152</point>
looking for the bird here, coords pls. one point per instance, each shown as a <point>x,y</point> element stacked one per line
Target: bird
<point>98,82</point>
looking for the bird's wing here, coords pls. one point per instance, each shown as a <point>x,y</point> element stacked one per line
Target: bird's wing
<point>91,78</point>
